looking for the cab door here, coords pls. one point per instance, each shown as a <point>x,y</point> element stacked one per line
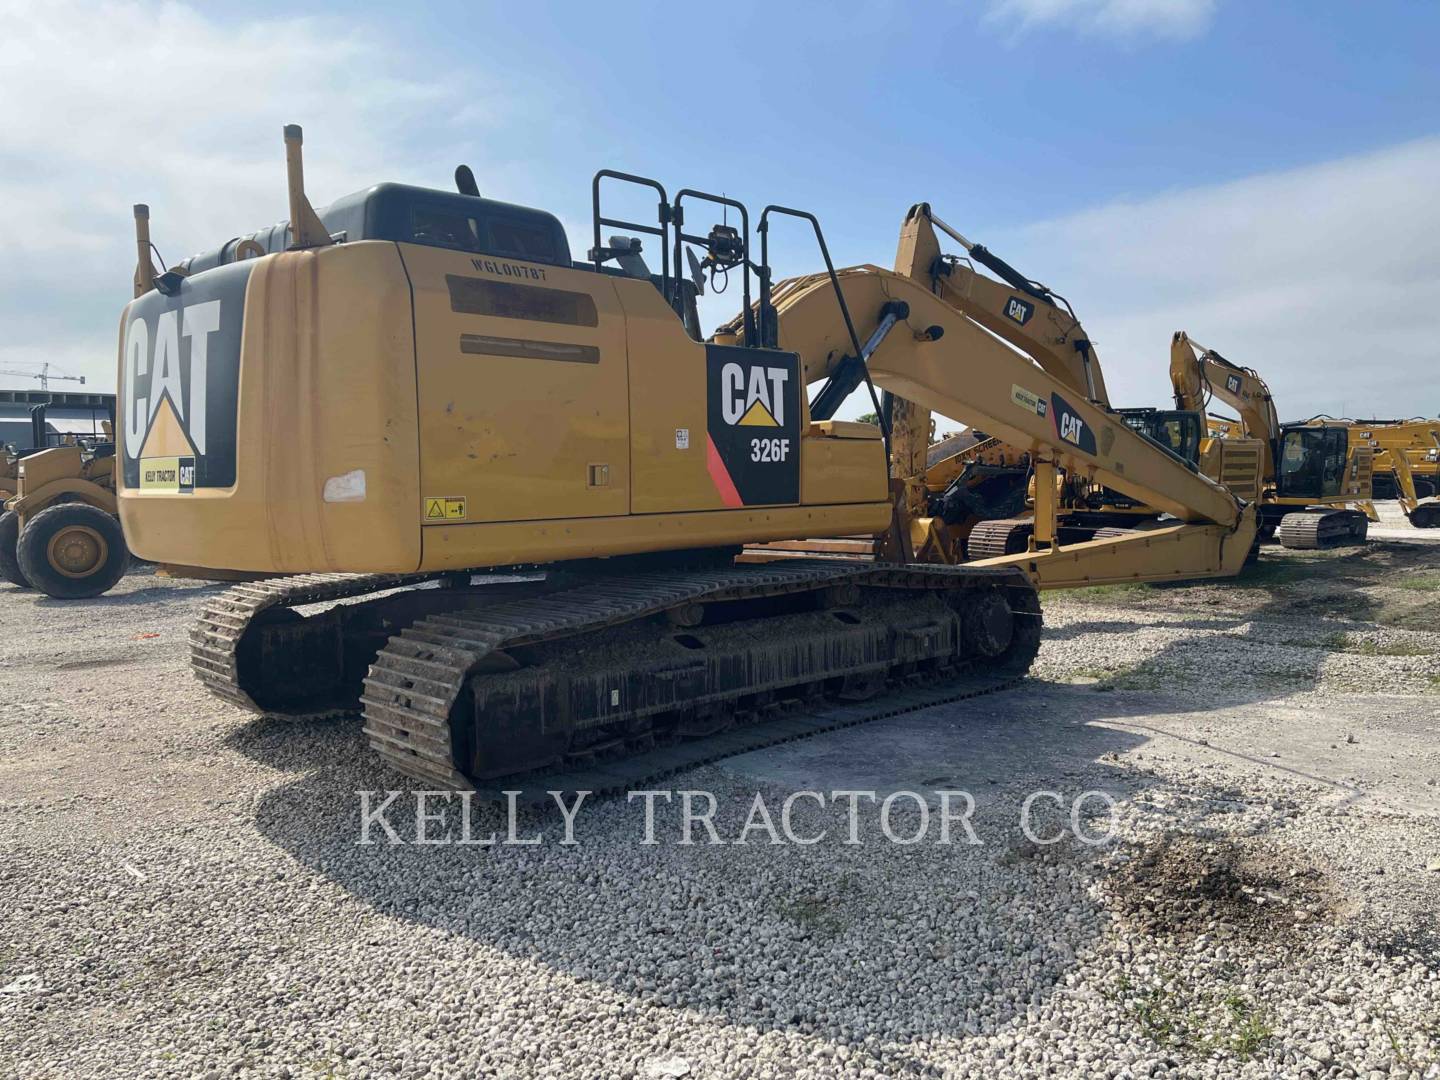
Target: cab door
<point>522,379</point>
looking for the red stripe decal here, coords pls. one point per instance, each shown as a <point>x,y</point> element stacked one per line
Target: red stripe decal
<point>719,475</point>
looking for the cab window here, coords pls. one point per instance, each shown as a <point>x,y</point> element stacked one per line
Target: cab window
<point>1312,462</point>
<point>497,234</point>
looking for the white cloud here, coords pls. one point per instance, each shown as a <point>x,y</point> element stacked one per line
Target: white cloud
<point>1326,279</point>
<point>117,103</point>
<point>1173,19</point>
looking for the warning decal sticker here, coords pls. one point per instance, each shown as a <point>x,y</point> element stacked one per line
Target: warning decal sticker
<point>443,508</point>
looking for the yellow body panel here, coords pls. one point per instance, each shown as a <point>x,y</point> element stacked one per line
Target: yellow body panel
<point>532,414</point>
<point>457,546</point>
<point>1235,463</point>
<point>667,398</point>
<point>843,468</point>
<point>512,433</point>
<point>326,390</point>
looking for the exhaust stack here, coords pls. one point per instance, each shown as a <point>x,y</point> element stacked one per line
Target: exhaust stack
<point>144,268</point>
<point>306,229</point>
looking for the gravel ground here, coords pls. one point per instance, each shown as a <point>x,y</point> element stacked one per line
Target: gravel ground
<point>184,894</point>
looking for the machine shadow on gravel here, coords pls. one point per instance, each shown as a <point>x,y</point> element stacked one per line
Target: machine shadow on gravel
<point>899,941</point>
<point>1246,658</point>
<point>1247,655</point>
<point>147,596</point>
<point>902,941</point>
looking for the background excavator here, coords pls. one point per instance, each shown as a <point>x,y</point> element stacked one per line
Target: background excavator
<point>1406,462</point>
<point>433,389</point>
<point>1314,474</point>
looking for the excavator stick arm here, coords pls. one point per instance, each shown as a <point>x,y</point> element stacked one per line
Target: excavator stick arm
<point>1196,371</point>
<point>1023,315</point>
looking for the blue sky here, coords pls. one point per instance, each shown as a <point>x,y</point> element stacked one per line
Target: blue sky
<point>1259,174</point>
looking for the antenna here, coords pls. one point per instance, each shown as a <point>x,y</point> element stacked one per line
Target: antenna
<point>465,181</point>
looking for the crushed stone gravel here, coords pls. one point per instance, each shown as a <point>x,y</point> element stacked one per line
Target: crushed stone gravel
<point>184,895</point>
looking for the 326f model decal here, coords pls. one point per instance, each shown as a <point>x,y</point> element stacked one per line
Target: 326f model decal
<point>753,430</point>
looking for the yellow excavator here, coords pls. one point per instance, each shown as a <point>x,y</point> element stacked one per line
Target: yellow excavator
<point>394,397</point>
<point>1406,462</point>
<point>1315,475</point>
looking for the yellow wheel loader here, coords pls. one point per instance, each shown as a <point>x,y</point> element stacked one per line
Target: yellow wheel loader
<point>9,474</point>
<point>1317,479</point>
<point>60,531</point>
<point>393,398</point>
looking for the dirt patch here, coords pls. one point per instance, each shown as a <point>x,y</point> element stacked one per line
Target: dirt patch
<point>1190,885</point>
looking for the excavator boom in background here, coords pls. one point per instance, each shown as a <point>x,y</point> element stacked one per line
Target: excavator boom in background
<point>1314,474</point>
<point>975,503</point>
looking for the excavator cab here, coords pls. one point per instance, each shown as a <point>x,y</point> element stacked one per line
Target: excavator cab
<point>1175,430</point>
<point>1311,462</point>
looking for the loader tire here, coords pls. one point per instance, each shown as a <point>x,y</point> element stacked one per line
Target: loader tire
<point>73,551</point>
<point>9,538</point>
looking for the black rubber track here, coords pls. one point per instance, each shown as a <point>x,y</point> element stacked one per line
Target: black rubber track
<point>1313,529</point>
<point>417,677</point>
<point>999,536</point>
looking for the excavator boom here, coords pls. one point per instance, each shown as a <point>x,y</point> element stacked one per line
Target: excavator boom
<point>1197,372</point>
<point>1023,312</point>
<point>968,375</point>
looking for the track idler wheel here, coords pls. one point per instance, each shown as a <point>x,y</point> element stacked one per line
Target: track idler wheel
<point>986,622</point>
<point>1424,517</point>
